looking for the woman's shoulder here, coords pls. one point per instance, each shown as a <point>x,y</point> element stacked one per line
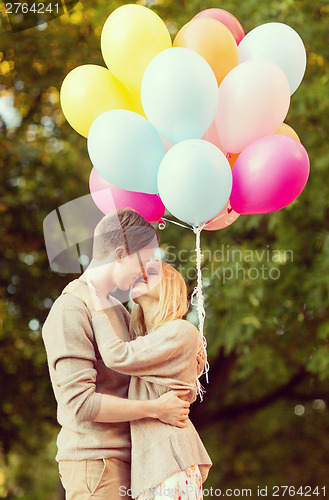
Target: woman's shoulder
<point>184,328</point>
<point>184,323</point>
<point>177,326</point>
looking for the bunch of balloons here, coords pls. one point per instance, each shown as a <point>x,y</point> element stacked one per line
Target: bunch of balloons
<point>195,125</point>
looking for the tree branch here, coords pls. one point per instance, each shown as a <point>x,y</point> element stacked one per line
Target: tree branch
<point>233,411</point>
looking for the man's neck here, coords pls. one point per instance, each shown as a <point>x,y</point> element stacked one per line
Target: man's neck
<point>100,276</point>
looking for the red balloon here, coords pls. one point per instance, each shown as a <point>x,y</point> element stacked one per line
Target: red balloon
<point>225,218</point>
<point>226,18</point>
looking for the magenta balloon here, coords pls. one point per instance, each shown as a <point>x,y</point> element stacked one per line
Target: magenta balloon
<point>227,19</point>
<point>108,197</point>
<point>269,174</point>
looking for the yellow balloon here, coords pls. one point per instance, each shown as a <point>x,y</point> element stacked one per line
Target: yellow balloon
<point>285,129</point>
<point>131,37</point>
<point>136,102</point>
<point>87,92</point>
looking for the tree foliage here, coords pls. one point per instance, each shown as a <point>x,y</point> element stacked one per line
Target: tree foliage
<point>264,418</point>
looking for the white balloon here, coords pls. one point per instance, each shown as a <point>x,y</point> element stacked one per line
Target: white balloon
<point>195,181</point>
<point>179,94</point>
<point>279,43</point>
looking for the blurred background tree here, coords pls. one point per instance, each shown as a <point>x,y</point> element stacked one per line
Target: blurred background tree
<point>264,419</point>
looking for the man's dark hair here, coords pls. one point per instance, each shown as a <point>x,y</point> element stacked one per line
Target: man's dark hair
<point>123,227</point>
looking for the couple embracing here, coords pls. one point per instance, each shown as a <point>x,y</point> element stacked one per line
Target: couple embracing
<point>124,383</point>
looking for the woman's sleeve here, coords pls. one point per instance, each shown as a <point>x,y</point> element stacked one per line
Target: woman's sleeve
<point>152,354</point>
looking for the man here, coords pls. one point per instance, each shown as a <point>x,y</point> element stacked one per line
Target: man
<point>93,409</point>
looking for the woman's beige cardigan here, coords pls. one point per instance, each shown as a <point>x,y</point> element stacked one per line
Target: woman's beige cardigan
<point>164,359</point>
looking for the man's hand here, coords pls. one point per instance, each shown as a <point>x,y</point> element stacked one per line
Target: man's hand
<point>171,409</point>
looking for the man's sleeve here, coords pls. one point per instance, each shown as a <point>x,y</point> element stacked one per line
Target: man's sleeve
<point>68,335</point>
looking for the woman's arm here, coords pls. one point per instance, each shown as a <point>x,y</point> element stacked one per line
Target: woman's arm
<point>164,352</point>
<point>158,353</point>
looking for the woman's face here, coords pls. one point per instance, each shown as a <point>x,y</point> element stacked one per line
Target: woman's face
<point>148,285</point>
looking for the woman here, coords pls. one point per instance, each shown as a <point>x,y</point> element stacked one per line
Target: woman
<point>161,357</point>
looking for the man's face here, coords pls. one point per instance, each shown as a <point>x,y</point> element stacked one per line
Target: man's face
<point>132,267</point>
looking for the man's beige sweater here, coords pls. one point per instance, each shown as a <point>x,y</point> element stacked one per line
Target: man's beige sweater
<point>79,377</point>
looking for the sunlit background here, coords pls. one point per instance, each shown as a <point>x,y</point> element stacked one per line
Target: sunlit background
<point>264,419</point>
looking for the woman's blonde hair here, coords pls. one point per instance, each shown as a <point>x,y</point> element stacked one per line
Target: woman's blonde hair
<point>173,302</point>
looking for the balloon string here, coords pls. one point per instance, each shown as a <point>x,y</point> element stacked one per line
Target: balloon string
<point>174,222</point>
<point>198,300</point>
<point>228,221</point>
<point>216,218</point>
<point>162,224</point>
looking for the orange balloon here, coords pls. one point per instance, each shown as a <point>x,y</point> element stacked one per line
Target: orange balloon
<point>285,129</point>
<point>225,218</point>
<point>232,158</point>
<point>213,41</point>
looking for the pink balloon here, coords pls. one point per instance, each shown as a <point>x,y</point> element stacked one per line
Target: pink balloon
<point>108,197</point>
<point>269,174</point>
<point>225,218</point>
<point>167,144</point>
<point>227,19</point>
<point>253,101</point>
<point>212,136</point>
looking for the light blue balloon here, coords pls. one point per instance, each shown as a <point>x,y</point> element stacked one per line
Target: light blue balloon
<point>126,150</point>
<point>179,94</point>
<point>195,181</point>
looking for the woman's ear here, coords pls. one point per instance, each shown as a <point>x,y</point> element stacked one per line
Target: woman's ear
<point>119,254</point>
